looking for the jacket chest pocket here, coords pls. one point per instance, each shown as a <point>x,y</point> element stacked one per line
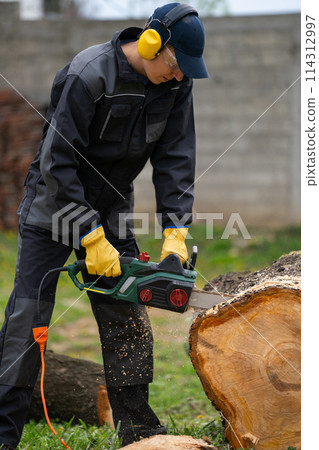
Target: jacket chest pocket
<point>156,118</point>
<point>115,123</point>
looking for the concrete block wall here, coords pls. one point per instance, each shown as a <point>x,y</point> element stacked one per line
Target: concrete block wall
<point>252,61</point>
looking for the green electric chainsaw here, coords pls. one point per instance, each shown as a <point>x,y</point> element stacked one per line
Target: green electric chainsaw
<point>166,285</point>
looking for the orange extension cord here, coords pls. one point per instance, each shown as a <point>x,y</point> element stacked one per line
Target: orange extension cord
<point>40,335</point>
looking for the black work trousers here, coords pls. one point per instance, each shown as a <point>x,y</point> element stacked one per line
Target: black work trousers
<point>125,331</point>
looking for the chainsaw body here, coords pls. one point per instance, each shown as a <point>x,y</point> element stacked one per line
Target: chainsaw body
<point>166,285</point>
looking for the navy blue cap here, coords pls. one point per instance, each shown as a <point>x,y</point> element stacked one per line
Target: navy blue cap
<point>187,36</point>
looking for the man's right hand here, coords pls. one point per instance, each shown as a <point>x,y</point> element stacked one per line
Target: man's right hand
<point>101,257</point>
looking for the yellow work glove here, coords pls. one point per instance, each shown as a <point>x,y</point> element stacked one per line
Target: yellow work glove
<point>175,243</point>
<point>101,257</point>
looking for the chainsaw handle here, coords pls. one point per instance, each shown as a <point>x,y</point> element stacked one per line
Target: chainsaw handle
<point>79,265</point>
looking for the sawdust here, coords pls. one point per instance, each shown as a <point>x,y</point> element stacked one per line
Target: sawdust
<point>169,326</point>
<point>81,337</point>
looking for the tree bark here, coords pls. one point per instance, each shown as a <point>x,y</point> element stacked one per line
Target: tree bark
<point>285,267</point>
<point>73,388</point>
<point>246,351</point>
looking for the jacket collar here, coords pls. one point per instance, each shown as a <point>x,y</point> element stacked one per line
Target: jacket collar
<point>126,71</point>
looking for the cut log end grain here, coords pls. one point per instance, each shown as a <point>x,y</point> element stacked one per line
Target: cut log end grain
<point>164,442</point>
<point>246,352</point>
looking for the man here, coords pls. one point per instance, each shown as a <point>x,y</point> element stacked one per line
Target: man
<point>113,107</point>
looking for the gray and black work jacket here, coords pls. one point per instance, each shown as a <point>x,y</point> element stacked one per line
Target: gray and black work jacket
<point>106,121</point>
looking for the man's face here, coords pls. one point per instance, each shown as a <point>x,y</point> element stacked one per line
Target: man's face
<point>163,68</point>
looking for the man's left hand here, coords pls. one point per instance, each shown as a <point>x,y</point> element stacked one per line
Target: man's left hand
<point>175,243</point>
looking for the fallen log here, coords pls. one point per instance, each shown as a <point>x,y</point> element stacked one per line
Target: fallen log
<point>246,352</point>
<point>73,388</point>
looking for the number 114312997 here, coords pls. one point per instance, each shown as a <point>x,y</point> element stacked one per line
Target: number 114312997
<point>310,48</point>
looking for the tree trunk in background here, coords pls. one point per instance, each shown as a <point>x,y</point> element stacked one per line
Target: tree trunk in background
<point>246,352</point>
<point>72,387</point>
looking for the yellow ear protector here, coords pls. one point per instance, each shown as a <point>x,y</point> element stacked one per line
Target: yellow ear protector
<point>150,43</point>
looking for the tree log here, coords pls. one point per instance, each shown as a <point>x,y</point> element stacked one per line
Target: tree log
<point>73,388</point>
<point>246,352</point>
<point>163,442</point>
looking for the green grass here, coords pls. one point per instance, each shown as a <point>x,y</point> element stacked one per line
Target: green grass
<point>78,437</point>
<point>176,393</point>
<point>36,435</point>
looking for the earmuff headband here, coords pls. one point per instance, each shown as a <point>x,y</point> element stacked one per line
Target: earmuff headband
<point>173,16</point>
<point>176,14</point>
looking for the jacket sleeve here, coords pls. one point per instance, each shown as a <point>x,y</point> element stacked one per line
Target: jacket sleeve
<point>173,161</point>
<point>66,140</point>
